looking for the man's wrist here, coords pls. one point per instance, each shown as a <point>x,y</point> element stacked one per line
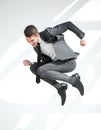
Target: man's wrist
<point>83,38</point>
<point>30,64</point>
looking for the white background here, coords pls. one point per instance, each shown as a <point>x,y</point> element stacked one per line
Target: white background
<point>24,105</point>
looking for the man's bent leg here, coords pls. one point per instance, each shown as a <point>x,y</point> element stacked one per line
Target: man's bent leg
<point>53,82</point>
<point>61,87</point>
<point>56,70</point>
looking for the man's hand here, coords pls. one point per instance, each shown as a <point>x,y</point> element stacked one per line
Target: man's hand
<point>83,43</point>
<point>27,63</point>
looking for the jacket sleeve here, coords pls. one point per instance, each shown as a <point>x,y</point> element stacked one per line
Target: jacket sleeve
<point>61,28</point>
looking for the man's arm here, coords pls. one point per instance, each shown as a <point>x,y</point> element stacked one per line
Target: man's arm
<point>61,28</point>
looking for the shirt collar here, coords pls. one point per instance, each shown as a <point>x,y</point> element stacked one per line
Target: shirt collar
<point>40,40</point>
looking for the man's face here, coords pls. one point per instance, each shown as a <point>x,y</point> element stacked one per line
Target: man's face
<point>33,40</point>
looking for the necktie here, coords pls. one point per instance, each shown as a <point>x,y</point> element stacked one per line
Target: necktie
<point>38,62</point>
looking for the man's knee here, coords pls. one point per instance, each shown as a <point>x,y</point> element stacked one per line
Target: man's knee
<point>40,71</point>
<point>33,68</point>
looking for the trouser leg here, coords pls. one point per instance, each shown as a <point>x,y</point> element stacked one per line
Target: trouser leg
<point>56,70</point>
<point>61,87</point>
<point>52,82</point>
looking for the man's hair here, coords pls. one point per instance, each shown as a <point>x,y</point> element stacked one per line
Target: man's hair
<point>30,30</point>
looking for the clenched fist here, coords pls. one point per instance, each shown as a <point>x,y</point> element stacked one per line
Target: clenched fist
<point>27,63</point>
<point>83,43</point>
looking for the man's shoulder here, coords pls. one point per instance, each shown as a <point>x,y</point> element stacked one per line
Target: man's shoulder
<point>45,35</point>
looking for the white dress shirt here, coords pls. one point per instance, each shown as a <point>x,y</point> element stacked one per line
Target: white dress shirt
<point>47,49</point>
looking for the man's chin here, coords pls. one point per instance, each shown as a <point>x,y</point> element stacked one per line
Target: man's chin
<point>35,44</point>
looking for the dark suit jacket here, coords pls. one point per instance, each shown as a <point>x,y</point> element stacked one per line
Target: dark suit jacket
<point>55,35</point>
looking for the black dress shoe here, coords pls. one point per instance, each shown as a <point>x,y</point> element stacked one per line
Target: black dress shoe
<point>77,83</point>
<point>62,93</point>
